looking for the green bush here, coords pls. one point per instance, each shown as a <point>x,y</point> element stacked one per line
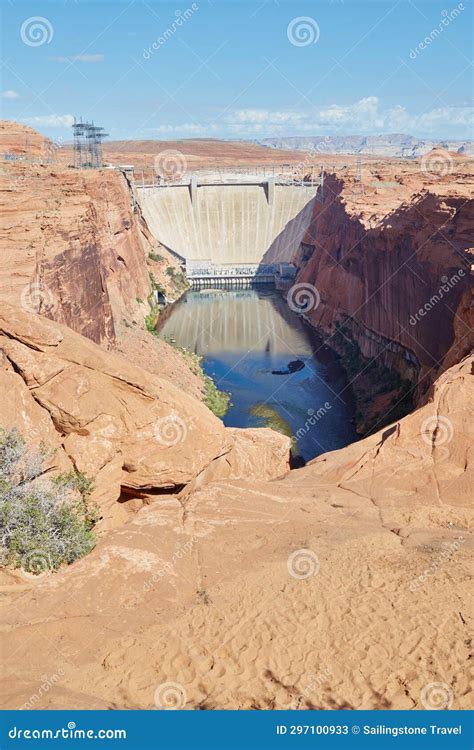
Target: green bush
<point>157,258</point>
<point>217,401</point>
<point>178,278</point>
<point>151,320</point>
<point>155,285</point>
<point>44,521</point>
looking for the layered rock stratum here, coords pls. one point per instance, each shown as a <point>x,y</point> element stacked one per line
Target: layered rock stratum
<point>74,246</point>
<point>387,265</point>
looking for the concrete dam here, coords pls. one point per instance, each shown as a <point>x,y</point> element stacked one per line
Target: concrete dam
<point>229,228</point>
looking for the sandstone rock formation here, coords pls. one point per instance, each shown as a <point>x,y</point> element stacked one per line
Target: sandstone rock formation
<point>377,279</point>
<point>74,245</point>
<point>128,430</point>
<point>394,280</point>
<point>343,585</point>
<point>23,141</point>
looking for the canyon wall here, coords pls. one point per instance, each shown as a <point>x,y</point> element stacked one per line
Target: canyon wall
<point>72,249</point>
<point>397,287</point>
<point>74,246</point>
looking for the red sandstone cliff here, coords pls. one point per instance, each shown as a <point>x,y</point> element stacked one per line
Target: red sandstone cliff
<point>375,277</point>
<point>74,246</point>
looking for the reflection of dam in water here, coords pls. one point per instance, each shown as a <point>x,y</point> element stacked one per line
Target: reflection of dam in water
<point>216,321</point>
<point>247,340</point>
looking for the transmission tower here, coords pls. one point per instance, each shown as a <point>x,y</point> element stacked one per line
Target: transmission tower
<point>78,130</point>
<point>358,188</point>
<point>88,144</point>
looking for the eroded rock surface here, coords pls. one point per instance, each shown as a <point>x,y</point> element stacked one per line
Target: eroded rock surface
<point>74,246</point>
<point>343,585</point>
<point>123,427</point>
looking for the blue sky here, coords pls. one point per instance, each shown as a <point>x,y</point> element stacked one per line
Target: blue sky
<point>237,69</point>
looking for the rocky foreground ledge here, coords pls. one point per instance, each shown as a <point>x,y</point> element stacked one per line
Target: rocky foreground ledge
<point>128,430</point>
<point>340,585</point>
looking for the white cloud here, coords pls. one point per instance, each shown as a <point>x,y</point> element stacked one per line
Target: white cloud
<point>364,113</point>
<point>366,117</point>
<point>79,58</point>
<point>50,121</point>
<point>264,116</point>
<point>10,94</point>
<point>363,117</point>
<point>437,119</point>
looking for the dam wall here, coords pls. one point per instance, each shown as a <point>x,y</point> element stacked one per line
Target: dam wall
<point>229,223</point>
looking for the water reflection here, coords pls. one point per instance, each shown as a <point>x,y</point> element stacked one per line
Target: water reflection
<point>262,353</point>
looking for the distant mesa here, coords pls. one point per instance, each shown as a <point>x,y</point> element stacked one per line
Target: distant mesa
<point>395,145</point>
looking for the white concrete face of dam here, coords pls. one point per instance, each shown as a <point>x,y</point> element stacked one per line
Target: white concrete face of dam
<point>229,223</point>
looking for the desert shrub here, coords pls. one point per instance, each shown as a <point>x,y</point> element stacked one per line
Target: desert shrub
<point>178,278</point>
<point>157,258</point>
<point>151,320</point>
<point>216,400</point>
<point>155,285</point>
<point>44,521</point>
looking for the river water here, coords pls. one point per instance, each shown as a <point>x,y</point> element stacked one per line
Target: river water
<point>247,339</point>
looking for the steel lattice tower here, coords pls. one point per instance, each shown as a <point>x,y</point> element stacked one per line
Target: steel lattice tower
<point>88,144</point>
<point>358,188</point>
